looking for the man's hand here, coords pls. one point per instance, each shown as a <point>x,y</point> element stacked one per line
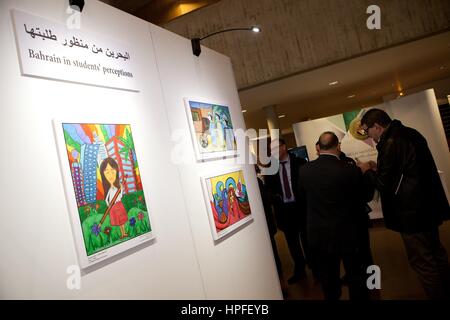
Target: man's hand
<point>373,165</point>
<point>365,166</point>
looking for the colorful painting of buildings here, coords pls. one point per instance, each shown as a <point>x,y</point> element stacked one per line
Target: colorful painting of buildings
<point>89,147</point>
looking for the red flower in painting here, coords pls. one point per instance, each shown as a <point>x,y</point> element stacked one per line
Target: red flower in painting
<point>107,230</point>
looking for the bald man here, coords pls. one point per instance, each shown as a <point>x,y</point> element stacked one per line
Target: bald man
<point>335,195</point>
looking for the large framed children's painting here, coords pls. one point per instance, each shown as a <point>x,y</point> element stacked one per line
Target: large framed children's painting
<point>212,129</point>
<point>227,201</point>
<point>103,183</point>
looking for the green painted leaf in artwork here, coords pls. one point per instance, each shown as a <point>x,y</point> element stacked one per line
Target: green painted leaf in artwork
<point>71,142</point>
<point>128,144</point>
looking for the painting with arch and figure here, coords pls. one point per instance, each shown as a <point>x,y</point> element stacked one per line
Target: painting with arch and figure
<point>227,201</point>
<point>211,128</point>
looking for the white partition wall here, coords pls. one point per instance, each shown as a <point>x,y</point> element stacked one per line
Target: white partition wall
<point>36,241</point>
<point>240,266</point>
<point>419,111</point>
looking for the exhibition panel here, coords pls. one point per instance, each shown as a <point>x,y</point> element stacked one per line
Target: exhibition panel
<point>94,190</point>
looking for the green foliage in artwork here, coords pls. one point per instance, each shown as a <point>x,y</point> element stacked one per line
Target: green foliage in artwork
<point>99,207</point>
<point>104,132</point>
<point>128,144</point>
<point>134,200</point>
<point>98,239</point>
<point>71,142</point>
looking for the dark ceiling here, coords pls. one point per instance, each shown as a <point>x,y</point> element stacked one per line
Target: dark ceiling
<point>158,11</point>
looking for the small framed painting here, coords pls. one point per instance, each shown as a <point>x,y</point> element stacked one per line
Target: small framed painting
<point>104,191</point>
<point>212,129</point>
<point>227,201</point>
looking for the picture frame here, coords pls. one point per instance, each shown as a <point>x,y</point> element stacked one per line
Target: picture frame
<point>227,202</point>
<point>211,128</point>
<point>103,187</point>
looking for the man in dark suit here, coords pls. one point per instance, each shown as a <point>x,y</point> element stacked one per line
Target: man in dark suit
<point>336,196</point>
<point>270,219</point>
<point>365,224</point>
<point>289,209</point>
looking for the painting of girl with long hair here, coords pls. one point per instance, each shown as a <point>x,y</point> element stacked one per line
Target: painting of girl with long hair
<point>111,210</point>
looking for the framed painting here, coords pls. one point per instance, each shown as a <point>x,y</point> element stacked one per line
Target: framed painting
<point>104,189</point>
<point>212,129</point>
<point>227,201</point>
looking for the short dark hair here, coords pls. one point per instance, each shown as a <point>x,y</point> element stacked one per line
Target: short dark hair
<point>281,141</point>
<point>376,116</point>
<point>328,140</point>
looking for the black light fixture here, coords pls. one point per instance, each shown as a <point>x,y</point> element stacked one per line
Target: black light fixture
<point>76,4</point>
<point>196,49</point>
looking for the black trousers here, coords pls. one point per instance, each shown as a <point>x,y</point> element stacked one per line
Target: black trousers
<point>429,260</point>
<point>364,243</point>
<point>276,255</point>
<point>292,222</point>
<point>328,266</point>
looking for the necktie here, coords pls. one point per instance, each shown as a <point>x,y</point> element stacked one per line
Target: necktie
<point>287,188</point>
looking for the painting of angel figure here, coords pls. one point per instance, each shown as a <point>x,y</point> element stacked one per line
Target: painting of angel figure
<point>227,202</point>
<point>106,183</point>
<point>211,129</point>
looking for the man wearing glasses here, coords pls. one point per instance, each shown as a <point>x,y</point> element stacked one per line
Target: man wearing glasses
<point>412,197</point>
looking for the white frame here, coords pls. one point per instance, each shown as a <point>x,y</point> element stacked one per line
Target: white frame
<point>208,155</point>
<point>206,195</point>
<point>84,260</point>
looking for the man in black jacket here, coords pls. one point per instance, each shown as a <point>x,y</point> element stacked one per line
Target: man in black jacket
<point>335,196</point>
<point>288,207</point>
<point>412,197</point>
<point>365,224</point>
<point>270,219</point>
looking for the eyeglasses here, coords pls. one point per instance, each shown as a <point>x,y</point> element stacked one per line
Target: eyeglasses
<point>365,132</point>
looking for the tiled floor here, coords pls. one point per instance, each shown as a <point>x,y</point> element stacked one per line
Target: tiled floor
<point>398,281</point>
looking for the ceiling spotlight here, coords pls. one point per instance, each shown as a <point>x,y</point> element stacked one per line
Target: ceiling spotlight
<point>400,94</point>
<point>333,83</point>
<point>351,96</point>
<point>76,4</point>
<point>282,116</point>
<point>244,110</point>
<point>195,42</point>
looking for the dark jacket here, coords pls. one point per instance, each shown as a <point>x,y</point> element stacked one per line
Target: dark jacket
<point>336,196</point>
<point>412,197</point>
<point>346,159</point>
<point>274,188</point>
<point>270,219</point>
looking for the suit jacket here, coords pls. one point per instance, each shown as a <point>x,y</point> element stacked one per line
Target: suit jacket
<point>336,195</point>
<point>275,190</point>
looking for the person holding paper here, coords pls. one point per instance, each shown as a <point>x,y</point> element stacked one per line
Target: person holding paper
<point>412,197</point>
